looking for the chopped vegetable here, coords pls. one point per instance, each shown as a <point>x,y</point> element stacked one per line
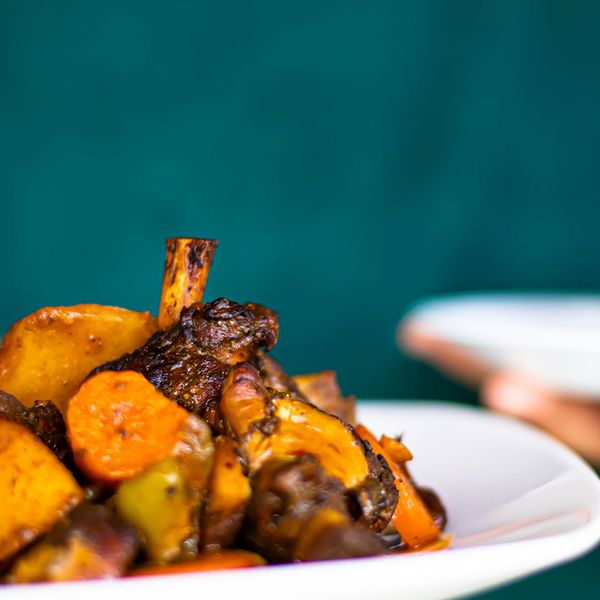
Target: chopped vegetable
<point>283,426</point>
<point>47,355</point>
<point>36,489</point>
<point>90,543</point>
<point>228,493</point>
<point>119,424</point>
<point>411,518</point>
<point>160,504</point>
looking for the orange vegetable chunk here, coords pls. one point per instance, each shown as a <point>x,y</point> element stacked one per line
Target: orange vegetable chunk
<point>119,424</point>
<point>46,355</point>
<point>411,518</point>
<point>231,559</point>
<point>36,489</point>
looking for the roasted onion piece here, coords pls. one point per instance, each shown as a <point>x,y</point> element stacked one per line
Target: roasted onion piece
<point>277,425</point>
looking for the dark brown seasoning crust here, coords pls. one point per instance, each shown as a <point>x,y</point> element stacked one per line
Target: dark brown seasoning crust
<point>274,376</point>
<point>190,361</point>
<point>44,419</point>
<point>374,501</point>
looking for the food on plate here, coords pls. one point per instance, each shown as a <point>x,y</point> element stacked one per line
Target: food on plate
<point>88,543</point>
<point>411,517</point>
<point>215,561</point>
<point>322,390</point>
<point>43,418</point>
<point>163,507</point>
<point>228,493</point>
<point>189,362</point>
<point>294,505</point>
<point>35,487</point>
<point>48,354</point>
<point>138,446</point>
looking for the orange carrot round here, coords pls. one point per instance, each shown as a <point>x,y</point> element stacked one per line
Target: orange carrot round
<point>233,559</point>
<point>119,424</point>
<point>411,518</point>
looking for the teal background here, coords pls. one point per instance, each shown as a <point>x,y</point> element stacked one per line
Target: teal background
<point>351,157</point>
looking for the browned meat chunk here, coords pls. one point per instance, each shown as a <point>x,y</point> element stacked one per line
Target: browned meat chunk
<point>274,376</point>
<point>298,512</point>
<point>434,503</point>
<point>43,418</point>
<point>91,542</point>
<point>189,362</point>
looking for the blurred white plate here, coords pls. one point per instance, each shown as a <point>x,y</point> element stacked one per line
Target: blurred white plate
<point>552,337</point>
<point>518,503</point>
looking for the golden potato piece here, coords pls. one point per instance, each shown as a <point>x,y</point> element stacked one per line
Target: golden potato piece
<point>229,491</point>
<point>36,489</point>
<point>47,355</point>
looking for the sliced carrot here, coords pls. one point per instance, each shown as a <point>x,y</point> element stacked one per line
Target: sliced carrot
<point>411,518</point>
<point>119,424</point>
<point>396,449</point>
<point>233,559</point>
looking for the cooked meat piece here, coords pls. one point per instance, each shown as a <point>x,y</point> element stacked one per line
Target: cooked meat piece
<point>435,506</point>
<point>274,376</point>
<point>47,422</point>
<point>373,502</point>
<point>189,362</point>
<point>12,409</point>
<point>322,390</point>
<point>296,505</point>
<point>44,419</point>
<point>91,542</point>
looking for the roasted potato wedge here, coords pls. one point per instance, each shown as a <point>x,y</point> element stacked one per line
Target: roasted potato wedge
<point>36,489</point>
<point>90,543</point>
<point>47,355</point>
<point>283,426</point>
<point>228,493</point>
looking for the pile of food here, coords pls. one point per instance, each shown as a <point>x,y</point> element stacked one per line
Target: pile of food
<point>131,445</point>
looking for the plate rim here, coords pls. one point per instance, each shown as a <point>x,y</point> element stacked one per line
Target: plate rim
<point>543,555</point>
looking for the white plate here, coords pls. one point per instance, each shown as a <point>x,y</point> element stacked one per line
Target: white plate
<point>552,337</point>
<point>518,502</point>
